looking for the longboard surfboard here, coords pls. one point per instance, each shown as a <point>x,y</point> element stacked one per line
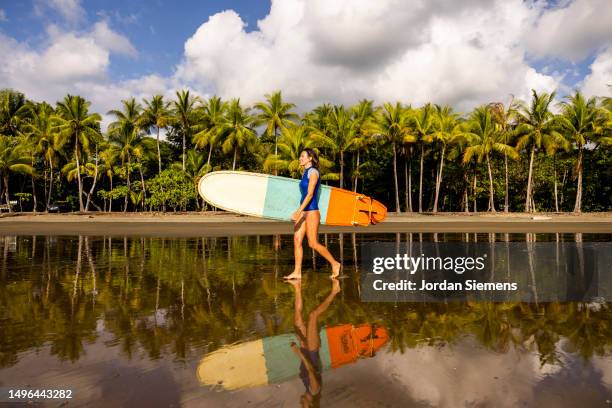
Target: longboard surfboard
<point>272,361</point>
<point>274,197</point>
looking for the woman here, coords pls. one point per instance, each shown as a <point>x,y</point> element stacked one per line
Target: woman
<point>307,217</point>
<point>310,344</point>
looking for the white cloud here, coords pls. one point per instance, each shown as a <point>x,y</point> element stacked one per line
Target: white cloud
<point>112,41</point>
<point>316,51</point>
<point>460,53</point>
<point>599,81</point>
<point>3,15</point>
<point>572,31</point>
<point>70,10</point>
<point>75,63</point>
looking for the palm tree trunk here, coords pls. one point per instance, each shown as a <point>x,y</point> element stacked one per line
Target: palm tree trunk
<point>142,184</point>
<point>50,185</point>
<point>158,152</point>
<point>491,191</point>
<point>466,187</point>
<point>529,194</point>
<point>34,198</point>
<point>555,177</point>
<point>506,192</point>
<point>129,185</point>
<point>342,169</point>
<point>421,181</point>
<point>356,175</point>
<point>275,149</point>
<point>439,179</point>
<point>184,133</point>
<point>209,153</point>
<point>6,193</point>
<point>110,198</point>
<point>397,204</point>
<point>406,184</point>
<point>474,191</point>
<point>235,154</point>
<point>93,184</point>
<point>78,166</point>
<point>578,205</point>
<point>410,184</point>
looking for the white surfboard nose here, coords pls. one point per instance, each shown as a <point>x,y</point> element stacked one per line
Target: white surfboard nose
<point>236,191</point>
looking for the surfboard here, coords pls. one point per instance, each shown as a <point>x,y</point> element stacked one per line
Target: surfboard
<point>274,197</point>
<point>272,361</point>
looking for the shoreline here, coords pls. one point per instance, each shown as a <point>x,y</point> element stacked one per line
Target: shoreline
<point>196,224</point>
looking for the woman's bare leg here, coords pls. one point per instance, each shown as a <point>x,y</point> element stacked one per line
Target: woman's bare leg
<point>313,219</point>
<point>313,340</point>
<point>299,230</point>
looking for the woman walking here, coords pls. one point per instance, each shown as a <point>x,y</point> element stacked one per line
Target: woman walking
<point>307,218</point>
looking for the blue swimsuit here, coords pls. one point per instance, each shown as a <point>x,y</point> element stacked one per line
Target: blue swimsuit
<point>314,203</point>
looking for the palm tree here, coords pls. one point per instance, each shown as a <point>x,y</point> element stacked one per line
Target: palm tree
<point>392,124</point>
<point>340,134</point>
<point>483,140</point>
<point>13,110</point>
<point>130,143</point>
<point>294,139</point>
<point>578,121</point>
<point>207,130</point>
<point>49,142</point>
<point>129,116</point>
<point>446,131</point>
<point>536,131</point>
<point>275,114</point>
<point>236,130</point>
<point>422,123</point>
<point>362,114</point>
<point>12,160</point>
<point>505,120</point>
<point>156,114</point>
<point>195,168</point>
<point>184,112</point>
<point>28,146</point>
<point>80,128</point>
<point>109,158</point>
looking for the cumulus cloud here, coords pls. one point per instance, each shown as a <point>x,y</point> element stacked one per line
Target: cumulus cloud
<point>112,41</point>
<point>599,81</point>
<point>459,53</point>
<point>72,62</point>
<point>573,31</point>
<point>315,51</point>
<point>71,10</point>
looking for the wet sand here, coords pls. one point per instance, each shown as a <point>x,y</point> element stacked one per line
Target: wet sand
<point>226,224</point>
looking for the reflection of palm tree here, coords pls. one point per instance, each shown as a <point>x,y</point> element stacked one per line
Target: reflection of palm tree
<point>310,343</point>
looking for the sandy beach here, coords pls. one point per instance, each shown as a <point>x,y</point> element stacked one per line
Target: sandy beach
<point>226,224</point>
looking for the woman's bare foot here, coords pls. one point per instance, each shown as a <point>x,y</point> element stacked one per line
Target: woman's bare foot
<point>336,270</point>
<point>293,276</point>
<point>335,286</point>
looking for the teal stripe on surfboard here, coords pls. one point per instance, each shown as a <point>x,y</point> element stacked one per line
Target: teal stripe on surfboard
<point>282,363</point>
<point>283,198</point>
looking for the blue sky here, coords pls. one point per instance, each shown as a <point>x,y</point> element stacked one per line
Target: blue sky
<point>459,53</point>
<point>158,29</point>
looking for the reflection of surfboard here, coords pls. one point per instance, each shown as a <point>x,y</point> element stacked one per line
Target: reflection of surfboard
<point>271,360</point>
<point>263,195</point>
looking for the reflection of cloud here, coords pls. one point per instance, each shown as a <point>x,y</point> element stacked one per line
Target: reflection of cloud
<point>462,374</point>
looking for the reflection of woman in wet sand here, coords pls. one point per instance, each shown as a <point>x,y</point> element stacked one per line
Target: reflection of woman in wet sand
<point>307,218</point>
<point>310,343</point>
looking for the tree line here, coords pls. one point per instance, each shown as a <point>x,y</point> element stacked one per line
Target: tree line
<point>537,155</point>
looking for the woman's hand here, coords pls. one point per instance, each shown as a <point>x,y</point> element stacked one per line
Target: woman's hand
<point>296,216</point>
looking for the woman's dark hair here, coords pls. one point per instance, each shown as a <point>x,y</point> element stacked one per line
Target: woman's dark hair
<point>315,157</point>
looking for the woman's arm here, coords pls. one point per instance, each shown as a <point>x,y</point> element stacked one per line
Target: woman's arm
<point>312,184</point>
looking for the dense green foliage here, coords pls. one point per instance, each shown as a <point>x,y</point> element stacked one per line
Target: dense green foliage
<point>516,157</point>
